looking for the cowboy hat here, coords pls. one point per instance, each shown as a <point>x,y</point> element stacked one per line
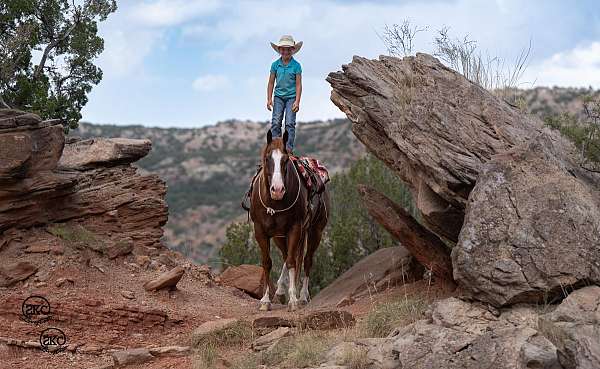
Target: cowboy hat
<point>287,41</point>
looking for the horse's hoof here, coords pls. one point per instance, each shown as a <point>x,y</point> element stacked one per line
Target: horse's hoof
<point>265,306</point>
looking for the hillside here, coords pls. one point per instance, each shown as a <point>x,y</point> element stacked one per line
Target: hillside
<point>208,170</point>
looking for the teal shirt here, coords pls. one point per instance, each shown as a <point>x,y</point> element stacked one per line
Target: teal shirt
<point>285,86</point>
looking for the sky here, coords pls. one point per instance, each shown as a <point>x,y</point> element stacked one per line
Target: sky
<point>190,63</point>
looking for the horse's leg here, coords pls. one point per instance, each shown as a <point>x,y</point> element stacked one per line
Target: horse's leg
<point>312,243</point>
<point>293,244</point>
<point>263,242</point>
<point>280,292</point>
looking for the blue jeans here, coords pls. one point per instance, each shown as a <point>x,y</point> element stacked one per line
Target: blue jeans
<point>279,106</point>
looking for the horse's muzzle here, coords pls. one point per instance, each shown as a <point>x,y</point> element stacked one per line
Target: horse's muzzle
<point>277,193</point>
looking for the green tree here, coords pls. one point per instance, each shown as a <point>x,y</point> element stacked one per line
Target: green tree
<point>46,53</point>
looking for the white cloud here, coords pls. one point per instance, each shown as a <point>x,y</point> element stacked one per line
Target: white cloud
<point>211,82</point>
<point>578,67</point>
<point>165,13</point>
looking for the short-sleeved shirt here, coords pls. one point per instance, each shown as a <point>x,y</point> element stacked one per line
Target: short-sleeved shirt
<point>286,77</point>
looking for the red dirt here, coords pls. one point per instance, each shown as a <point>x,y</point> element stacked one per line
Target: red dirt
<point>93,313</point>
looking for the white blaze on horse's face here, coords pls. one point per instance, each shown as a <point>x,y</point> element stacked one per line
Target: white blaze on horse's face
<point>277,188</point>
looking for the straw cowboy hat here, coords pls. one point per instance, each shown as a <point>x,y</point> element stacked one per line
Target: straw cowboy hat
<point>287,41</point>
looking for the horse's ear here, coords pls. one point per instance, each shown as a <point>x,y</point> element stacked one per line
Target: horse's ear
<point>269,136</point>
<point>285,139</point>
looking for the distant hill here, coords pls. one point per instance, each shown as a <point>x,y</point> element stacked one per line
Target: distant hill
<point>208,170</point>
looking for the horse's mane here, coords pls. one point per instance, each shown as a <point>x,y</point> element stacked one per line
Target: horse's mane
<point>276,143</point>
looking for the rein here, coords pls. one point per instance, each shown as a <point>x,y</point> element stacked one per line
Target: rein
<point>270,210</point>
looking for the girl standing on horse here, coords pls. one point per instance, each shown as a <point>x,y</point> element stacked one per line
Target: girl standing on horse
<point>287,72</point>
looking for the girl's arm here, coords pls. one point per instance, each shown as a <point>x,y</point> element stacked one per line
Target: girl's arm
<point>296,105</point>
<point>270,87</point>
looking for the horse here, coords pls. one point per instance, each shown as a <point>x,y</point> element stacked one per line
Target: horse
<point>279,209</point>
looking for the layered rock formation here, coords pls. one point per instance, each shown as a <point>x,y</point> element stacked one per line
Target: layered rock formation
<point>430,125</point>
<point>90,183</point>
<point>524,214</point>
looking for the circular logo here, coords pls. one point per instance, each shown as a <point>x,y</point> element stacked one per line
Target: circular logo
<point>53,340</point>
<point>36,310</point>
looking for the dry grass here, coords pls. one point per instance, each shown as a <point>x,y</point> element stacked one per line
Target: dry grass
<point>385,317</point>
<point>205,357</point>
<point>76,235</point>
<point>356,358</point>
<point>237,334</point>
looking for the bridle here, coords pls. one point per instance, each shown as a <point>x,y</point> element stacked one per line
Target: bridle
<point>270,210</point>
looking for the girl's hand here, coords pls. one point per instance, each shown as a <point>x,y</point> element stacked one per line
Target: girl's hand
<point>296,106</point>
<point>269,105</point>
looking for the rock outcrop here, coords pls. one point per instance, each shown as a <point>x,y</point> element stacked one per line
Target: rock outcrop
<point>382,269</point>
<point>459,334</point>
<point>524,213</point>
<point>92,184</point>
<point>531,230</point>
<point>431,125</point>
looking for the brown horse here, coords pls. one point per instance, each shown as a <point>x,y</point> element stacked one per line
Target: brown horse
<point>280,210</point>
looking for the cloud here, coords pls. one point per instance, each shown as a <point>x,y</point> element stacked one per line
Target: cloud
<point>166,13</point>
<point>211,82</point>
<point>578,67</point>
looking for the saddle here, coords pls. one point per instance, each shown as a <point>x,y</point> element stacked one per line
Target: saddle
<point>314,174</point>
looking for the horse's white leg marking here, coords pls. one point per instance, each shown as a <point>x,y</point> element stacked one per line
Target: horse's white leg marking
<point>281,281</point>
<point>277,182</point>
<point>304,294</point>
<point>265,302</point>
<point>293,303</point>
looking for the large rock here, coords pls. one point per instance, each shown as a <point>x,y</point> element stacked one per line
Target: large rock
<point>375,272</point>
<point>27,144</point>
<point>245,277</point>
<point>574,327</point>
<point>532,225</point>
<point>431,125</point>
<point>462,335</point>
<point>102,151</point>
<point>105,194</point>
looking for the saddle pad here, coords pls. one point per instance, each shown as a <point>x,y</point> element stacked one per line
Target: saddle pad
<point>314,165</point>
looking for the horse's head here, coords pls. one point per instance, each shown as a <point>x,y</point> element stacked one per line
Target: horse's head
<point>275,164</point>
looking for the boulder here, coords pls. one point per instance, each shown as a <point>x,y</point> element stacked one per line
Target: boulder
<point>531,226</point>
<point>245,277</point>
<point>120,248</point>
<point>459,334</point>
<point>574,328</point>
<point>168,279</point>
<point>96,152</point>
<point>269,339</point>
<point>431,126</point>
<point>15,272</point>
<point>362,278</point>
